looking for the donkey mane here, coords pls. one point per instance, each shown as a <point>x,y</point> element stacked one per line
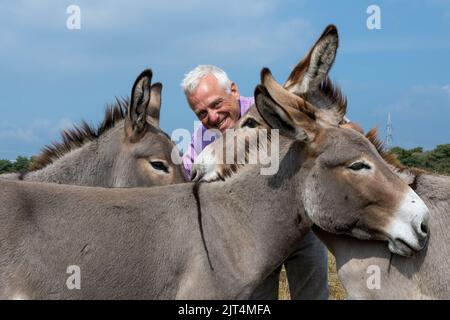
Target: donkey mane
<point>334,92</point>
<point>80,134</point>
<point>231,169</point>
<point>386,154</point>
<point>391,158</point>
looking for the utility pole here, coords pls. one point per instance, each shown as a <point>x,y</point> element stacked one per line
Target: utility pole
<point>388,141</point>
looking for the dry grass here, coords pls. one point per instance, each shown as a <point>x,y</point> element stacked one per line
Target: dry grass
<point>337,292</point>
<point>283,288</point>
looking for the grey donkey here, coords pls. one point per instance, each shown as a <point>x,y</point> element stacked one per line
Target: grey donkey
<point>128,149</point>
<point>366,268</point>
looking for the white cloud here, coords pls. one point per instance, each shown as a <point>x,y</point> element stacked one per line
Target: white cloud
<point>41,124</point>
<point>256,43</point>
<point>9,133</point>
<point>117,34</point>
<point>423,101</point>
<point>432,90</point>
<point>446,89</point>
<point>37,131</point>
<point>63,124</point>
<point>409,43</point>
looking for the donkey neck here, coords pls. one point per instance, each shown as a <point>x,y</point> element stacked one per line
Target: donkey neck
<point>252,222</point>
<point>89,165</point>
<point>422,276</point>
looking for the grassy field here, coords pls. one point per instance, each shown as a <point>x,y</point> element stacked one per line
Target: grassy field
<point>337,292</point>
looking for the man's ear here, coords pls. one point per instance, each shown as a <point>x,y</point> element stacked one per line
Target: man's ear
<point>136,120</point>
<point>276,116</point>
<point>314,67</point>
<point>154,107</point>
<point>235,90</point>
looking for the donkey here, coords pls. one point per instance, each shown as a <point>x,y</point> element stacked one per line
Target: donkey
<point>368,271</point>
<point>128,149</point>
<point>134,243</point>
<point>426,274</point>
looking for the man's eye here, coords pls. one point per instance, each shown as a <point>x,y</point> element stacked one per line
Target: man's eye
<point>359,166</point>
<point>201,115</point>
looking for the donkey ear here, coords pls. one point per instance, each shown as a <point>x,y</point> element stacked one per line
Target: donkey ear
<point>276,116</point>
<point>155,104</point>
<point>313,69</point>
<point>136,121</point>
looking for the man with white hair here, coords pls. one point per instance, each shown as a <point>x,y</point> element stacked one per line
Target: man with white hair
<point>217,103</point>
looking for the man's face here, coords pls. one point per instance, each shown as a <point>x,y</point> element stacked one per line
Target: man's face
<point>214,107</point>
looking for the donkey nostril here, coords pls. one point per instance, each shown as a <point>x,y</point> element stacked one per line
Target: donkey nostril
<point>424,227</point>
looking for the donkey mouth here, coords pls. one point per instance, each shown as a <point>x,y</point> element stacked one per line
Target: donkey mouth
<point>400,247</point>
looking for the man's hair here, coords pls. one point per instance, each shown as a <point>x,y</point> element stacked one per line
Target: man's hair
<point>193,77</point>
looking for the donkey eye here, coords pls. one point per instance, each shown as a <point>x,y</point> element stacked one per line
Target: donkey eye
<point>251,123</point>
<point>359,166</point>
<point>159,165</point>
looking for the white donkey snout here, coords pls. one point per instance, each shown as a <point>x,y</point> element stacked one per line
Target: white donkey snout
<point>408,231</point>
<point>205,167</point>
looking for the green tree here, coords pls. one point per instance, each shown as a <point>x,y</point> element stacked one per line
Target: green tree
<point>21,163</point>
<point>6,166</point>
<point>411,158</point>
<point>436,160</point>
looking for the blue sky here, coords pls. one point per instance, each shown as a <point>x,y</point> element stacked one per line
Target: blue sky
<point>52,77</point>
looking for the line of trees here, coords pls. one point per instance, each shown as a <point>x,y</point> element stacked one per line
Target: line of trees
<point>21,164</point>
<point>436,160</point>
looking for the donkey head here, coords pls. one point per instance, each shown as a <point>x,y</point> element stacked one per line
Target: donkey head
<point>348,188</point>
<point>146,151</point>
<point>344,184</point>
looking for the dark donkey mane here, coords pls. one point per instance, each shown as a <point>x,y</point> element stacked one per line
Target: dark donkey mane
<point>386,154</point>
<point>391,158</point>
<point>80,134</point>
<point>335,94</point>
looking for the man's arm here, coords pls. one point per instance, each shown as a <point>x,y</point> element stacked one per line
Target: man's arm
<point>188,159</point>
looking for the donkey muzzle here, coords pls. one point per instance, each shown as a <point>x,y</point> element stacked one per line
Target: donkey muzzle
<point>408,231</point>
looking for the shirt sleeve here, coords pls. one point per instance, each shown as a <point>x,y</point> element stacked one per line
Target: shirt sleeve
<point>188,160</point>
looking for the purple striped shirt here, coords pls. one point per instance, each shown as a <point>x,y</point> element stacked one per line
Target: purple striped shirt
<point>199,141</point>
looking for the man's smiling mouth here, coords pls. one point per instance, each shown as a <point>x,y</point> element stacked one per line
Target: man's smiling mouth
<point>221,122</point>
